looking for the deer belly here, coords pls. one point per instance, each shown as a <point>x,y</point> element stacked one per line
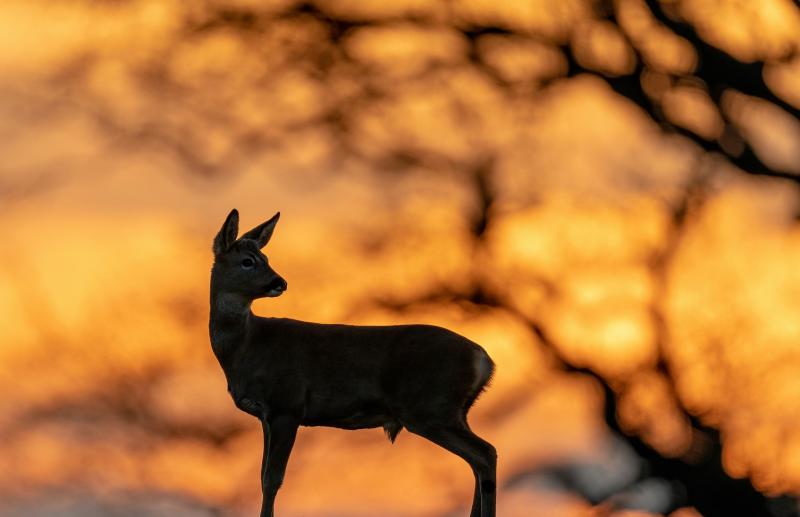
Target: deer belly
<point>361,416</point>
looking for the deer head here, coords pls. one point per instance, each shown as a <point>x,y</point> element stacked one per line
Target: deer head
<point>240,268</point>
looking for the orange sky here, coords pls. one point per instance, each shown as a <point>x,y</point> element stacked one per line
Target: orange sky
<point>127,138</point>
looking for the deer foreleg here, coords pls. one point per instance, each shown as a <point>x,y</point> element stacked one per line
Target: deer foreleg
<point>265,511</point>
<point>279,435</point>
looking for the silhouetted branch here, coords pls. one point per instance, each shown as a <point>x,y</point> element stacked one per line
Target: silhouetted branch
<point>719,70</point>
<point>128,401</point>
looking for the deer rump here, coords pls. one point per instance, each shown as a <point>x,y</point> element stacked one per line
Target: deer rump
<point>356,377</point>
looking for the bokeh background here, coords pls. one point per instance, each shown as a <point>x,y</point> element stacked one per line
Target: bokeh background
<point>602,193</point>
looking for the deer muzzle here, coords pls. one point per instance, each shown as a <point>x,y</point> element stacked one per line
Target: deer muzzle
<point>276,286</point>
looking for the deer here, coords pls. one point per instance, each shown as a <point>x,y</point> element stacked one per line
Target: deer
<point>289,373</point>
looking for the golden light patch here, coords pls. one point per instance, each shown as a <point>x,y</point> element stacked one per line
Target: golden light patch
<point>129,130</point>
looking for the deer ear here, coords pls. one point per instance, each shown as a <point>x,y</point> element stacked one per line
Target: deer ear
<point>263,232</point>
<point>227,234</point>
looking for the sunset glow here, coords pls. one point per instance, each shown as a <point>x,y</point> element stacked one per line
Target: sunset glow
<point>131,128</point>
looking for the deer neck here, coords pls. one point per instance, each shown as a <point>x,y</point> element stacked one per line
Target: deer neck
<point>228,322</point>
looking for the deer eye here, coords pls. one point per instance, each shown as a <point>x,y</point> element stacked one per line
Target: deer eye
<point>247,263</point>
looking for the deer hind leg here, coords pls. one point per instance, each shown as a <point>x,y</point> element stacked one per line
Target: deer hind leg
<point>481,456</point>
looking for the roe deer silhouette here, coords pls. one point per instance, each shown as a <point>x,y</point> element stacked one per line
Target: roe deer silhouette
<point>289,373</point>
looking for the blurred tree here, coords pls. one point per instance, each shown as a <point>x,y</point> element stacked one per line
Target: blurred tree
<point>451,87</point>
<point>346,78</point>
